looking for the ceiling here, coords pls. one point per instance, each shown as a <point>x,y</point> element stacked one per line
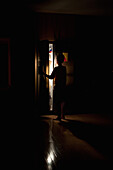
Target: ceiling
<point>78,7</point>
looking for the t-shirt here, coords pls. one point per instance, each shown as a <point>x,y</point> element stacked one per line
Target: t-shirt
<point>59,73</point>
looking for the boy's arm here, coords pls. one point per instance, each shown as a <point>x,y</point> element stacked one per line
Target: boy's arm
<point>50,76</point>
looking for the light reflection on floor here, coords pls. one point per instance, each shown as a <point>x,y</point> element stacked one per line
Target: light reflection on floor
<point>51,155</point>
<point>77,138</point>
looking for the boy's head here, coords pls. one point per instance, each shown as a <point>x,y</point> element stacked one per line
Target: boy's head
<point>60,58</point>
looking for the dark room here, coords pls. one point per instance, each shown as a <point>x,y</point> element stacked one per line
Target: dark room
<point>56,84</point>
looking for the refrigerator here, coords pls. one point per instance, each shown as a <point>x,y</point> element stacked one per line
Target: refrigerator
<point>46,62</point>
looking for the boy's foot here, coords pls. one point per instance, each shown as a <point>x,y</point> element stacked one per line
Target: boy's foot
<point>62,117</point>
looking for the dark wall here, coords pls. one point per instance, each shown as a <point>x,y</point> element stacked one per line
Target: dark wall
<point>91,53</point>
<point>94,63</point>
<point>17,24</point>
<point>16,102</point>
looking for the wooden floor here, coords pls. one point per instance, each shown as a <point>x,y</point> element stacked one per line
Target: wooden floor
<point>77,140</point>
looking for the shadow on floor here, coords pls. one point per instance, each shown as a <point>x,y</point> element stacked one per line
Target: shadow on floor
<point>98,136</point>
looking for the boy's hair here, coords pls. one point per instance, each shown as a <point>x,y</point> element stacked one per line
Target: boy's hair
<point>60,58</point>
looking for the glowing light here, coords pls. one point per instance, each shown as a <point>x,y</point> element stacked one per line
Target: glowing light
<point>49,160</point>
<point>52,156</point>
<point>55,61</point>
<point>36,76</point>
<point>50,71</point>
